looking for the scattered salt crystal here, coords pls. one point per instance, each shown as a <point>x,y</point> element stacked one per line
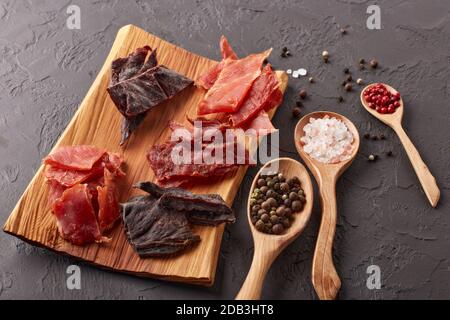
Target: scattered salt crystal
<point>289,71</point>
<point>327,140</point>
<point>302,72</point>
<point>295,74</point>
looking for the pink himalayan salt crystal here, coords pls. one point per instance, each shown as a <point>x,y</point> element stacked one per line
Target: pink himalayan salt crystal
<point>327,140</point>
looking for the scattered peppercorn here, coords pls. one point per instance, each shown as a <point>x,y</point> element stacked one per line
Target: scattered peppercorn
<point>341,99</point>
<point>303,94</point>
<point>361,66</point>
<point>285,49</point>
<point>325,56</point>
<point>372,157</point>
<point>359,81</point>
<point>349,78</point>
<point>346,70</point>
<point>382,137</point>
<point>296,112</point>
<point>374,137</point>
<point>299,104</point>
<point>389,153</point>
<point>374,63</point>
<point>362,61</point>
<point>343,31</point>
<point>311,79</point>
<point>367,135</point>
<point>348,87</point>
<point>283,55</point>
<point>343,83</point>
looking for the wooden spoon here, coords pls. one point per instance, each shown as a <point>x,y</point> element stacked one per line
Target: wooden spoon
<point>269,246</point>
<point>394,120</point>
<point>324,276</point>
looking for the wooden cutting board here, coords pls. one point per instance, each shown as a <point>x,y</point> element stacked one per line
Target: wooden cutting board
<point>97,122</point>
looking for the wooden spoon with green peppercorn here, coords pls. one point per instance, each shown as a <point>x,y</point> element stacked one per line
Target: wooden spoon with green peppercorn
<point>394,120</point>
<point>289,173</point>
<point>324,276</point>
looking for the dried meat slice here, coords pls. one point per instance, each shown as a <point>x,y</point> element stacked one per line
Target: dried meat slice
<point>234,82</point>
<point>69,178</point>
<point>55,191</point>
<point>167,172</point>
<point>126,68</point>
<point>147,90</point>
<point>264,95</point>
<point>108,203</point>
<point>206,209</point>
<point>155,231</point>
<point>75,157</point>
<point>129,125</point>
<point>76,218</point>
<point>208,79</point>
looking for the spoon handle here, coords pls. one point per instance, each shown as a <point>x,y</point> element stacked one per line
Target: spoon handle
<point>423,173</point>
<point>324,276</point>
<point>252,287</point>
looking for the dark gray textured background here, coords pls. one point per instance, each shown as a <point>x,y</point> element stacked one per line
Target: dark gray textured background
<point>384,217</point>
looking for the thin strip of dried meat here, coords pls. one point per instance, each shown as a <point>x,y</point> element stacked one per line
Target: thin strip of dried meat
<point>208,209</point>
<point>264,95</point>
<point>76,218</point>
<point>208,79</point>
<point>155,231</point>
<point>233,84</point>
<point>75,157</point>
<point>108,203</point>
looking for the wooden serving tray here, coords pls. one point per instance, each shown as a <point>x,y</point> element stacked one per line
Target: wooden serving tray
<point>97,122</point>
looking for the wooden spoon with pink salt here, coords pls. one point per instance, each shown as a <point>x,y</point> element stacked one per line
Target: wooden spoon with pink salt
<point>328,147</point>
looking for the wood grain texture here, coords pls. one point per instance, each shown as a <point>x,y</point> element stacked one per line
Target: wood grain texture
<point>97,122</point>
<point>324,275</point>
<point>394,120</point>
<point>268,246</point>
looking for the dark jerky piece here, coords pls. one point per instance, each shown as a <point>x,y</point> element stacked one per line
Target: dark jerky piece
<point>126,68</point>
<point>129,125</point>
<point>208,209</point>
<point>153,230</point>
<point>137,85</point>
<point>151,62</point>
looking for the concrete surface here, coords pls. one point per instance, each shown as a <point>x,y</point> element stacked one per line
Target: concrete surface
<point>384,217</point>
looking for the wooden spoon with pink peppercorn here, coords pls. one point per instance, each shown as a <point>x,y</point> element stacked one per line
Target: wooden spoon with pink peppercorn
<point>324,276</point>
<point>394,120</point>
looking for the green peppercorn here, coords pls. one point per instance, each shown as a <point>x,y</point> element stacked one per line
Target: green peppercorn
<point>252,201</point>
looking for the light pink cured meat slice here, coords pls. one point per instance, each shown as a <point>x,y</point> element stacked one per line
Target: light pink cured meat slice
<point>76,219</point>
<point>108,202</point>
<point>234,82</point>
<point>264,95</point>
<point>75,157</point>
<point>208,79</point>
